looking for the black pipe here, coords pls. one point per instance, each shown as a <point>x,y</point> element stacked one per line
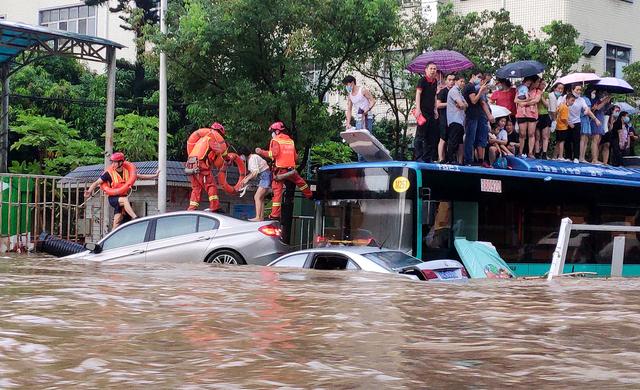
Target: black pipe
<point>56,246</point>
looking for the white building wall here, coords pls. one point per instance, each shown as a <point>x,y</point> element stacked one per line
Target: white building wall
<point>107,23</point>
<point>598,21</point>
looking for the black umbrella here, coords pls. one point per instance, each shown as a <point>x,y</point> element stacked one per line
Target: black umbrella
<point>520,69</point>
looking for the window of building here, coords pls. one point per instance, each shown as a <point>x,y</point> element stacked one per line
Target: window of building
<point>80,19</point>
<point>617,58</point>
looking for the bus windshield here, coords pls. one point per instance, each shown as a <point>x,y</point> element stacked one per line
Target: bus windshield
<point>367,206</point>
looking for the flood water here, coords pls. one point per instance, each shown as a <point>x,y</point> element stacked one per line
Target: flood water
<point>65,325</point>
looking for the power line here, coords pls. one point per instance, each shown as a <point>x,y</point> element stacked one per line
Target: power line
<point>92,102</point>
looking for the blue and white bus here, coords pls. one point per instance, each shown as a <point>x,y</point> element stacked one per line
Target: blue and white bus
<point>420,208</point>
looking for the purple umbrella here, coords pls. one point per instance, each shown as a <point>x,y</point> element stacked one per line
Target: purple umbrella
<point>448,61</point>
<point>613,85</point>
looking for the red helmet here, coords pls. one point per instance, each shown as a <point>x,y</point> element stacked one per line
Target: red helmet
<point>218,126</point>
<point>117,156</point>
<point>277,126</point>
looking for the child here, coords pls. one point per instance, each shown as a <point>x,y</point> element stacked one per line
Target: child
<point>523,89</point>
<point>498,141</point>
<point>562,125</point>
<point>513,138</point>
<point>257,167</point>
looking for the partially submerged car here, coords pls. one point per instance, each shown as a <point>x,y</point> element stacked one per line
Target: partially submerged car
<point>372,259</point>
<point>188,236</point>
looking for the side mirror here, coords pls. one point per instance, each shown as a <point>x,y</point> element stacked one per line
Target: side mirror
<point>92,247</point>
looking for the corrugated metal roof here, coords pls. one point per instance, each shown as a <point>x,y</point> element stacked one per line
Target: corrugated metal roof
<point>17,37</point>
<point>175,172</point>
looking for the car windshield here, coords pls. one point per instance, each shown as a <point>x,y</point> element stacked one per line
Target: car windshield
<point>392,259</point>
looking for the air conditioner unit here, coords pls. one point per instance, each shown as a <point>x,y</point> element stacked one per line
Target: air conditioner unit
<point>590,49</point>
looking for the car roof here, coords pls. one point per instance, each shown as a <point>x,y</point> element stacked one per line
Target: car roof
<point>191,212</point>
<point>360,250</point>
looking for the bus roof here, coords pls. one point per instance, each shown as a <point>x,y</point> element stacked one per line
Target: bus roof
<point>528,168</point>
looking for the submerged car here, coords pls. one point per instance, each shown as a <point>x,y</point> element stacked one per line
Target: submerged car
<point>372,259</point>
<point>189,236</point>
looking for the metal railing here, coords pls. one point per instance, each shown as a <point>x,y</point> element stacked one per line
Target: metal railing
<point>31,204</point>
<point>302,232</point>
<point>566,226</point>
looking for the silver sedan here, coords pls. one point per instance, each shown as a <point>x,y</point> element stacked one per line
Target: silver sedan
<point>372,259</point>
<point>188,236</point>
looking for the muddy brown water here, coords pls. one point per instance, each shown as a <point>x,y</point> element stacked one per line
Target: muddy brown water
<point>66,325</point>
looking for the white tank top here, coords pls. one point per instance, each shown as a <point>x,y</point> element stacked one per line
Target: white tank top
<point>359,101</point>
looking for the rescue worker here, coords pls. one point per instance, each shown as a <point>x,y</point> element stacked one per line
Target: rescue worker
<point>116,176</point>
<point>283,151</point>
<point>206,148</point>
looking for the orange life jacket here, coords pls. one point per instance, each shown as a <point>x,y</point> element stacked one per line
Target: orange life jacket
<point>118,180</point>
<point>200,149</point>
<point>286,157</point>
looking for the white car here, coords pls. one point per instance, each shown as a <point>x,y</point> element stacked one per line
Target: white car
<point>372,259</point>
<point>188,236</point>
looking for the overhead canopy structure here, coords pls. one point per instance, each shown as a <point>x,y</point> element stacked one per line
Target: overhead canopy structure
<point>22,44</point>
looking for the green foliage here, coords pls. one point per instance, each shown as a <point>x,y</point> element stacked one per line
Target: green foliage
<point>136,136</point>
<point>632,75</point>
<point>486,38</point>
<point>247,63</point>
<point>24,167</point>
<point>57,148</point>
<point>558,50</point>
<point>330,152</point>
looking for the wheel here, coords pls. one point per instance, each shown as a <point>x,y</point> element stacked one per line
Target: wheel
<point>225,256</point>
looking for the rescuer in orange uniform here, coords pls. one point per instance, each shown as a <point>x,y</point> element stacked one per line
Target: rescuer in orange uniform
<point>206,148</point>
<point>283,151</point>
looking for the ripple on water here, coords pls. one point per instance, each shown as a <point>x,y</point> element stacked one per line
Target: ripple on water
<point>198,326</point>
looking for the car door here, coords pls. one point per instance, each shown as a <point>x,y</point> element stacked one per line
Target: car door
<point>181,238</point>
<point>127,244</point>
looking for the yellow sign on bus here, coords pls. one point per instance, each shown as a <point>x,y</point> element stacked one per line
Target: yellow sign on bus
<point>401,184</point>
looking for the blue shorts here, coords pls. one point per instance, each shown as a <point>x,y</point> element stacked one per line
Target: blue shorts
<point>113,201</point>
<point>265,179</point>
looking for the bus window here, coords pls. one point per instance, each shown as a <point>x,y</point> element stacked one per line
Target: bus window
<point>436,225</point>
<point>465,220</point>
<point>373,222</point>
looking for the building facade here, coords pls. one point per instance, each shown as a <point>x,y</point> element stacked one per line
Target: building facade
<point>74,16</point>
<point>608,29</point>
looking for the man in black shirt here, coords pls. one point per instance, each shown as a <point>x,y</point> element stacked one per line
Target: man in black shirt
<point>441,105</point>
<point>426,140</point>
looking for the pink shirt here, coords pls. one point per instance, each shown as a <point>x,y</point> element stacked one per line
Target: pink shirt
<point>529,111</point>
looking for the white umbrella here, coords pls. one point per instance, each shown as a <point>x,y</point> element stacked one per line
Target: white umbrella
<point>631,110</point>
<point>575,78</point>
<point>499,111</point>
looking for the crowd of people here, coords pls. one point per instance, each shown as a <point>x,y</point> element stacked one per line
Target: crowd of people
<point>456,124</point>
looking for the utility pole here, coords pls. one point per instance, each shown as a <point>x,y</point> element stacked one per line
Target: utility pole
<point>162,116</point>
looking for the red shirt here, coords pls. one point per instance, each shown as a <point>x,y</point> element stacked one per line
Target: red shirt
<point>506,99</point>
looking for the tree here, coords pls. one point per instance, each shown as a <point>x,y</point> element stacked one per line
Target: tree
<point>486,38</point>
<point>386,67</point>
<point>136,136</point>
<point>57,148</point>
<point>136,15</point>
<point>247,63</point>
<point>558,49</point>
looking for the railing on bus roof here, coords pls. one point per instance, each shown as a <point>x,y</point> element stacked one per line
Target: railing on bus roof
<point>31,204</point>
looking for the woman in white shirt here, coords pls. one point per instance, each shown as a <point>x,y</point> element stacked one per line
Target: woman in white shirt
<point>257,167</point>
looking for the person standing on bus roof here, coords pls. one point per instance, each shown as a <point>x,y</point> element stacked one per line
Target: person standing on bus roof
<point>442,116</point>
<point>456,105</point>
<point>362,99</point>
<point>426,140</point>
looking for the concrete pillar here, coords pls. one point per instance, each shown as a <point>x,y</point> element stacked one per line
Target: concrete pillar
<point>162,119</point>
<point>109,119</point>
